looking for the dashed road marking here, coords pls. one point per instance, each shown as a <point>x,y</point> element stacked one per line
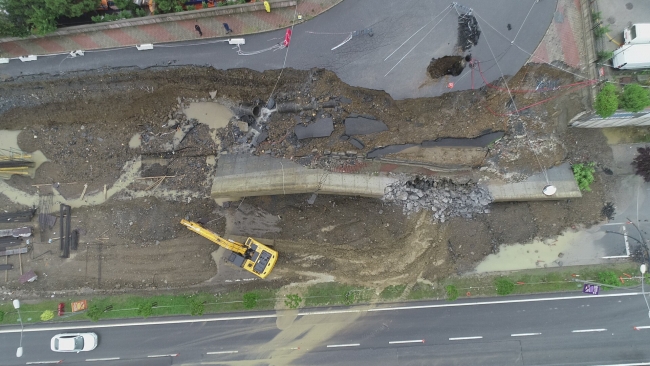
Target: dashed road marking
<point>43,362</point>
<point>343,345</point>
<point>221,352</point>
<point>412,341</point>
<point>642,327</point>
<point>588,330</point>
<point>102,359</point>
<point>464,338</point>
<point>524,334</point>
<point>169,355</point>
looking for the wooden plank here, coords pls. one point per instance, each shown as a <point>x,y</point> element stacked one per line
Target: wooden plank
<point>14,251</point>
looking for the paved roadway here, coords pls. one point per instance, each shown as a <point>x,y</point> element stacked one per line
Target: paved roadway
<point>414,30</point>
<point>534,330</point>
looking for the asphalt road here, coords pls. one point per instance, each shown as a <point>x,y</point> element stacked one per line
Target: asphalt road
<point>587,330</point>
<point>407,34</point>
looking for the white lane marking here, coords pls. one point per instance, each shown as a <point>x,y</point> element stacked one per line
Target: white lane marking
<point>524,334</point>
<point>343,345</point>
<point>579,297</point>
<point>169,355</point>
<point>642,327</point>
<point>43,362</point>
<point>627,364</point>
<point>102,359</point>
<point>402,342</point>
<point>464,338</point>
<point>221,352</point>
<point>312,313</point>
<point>588,330</point>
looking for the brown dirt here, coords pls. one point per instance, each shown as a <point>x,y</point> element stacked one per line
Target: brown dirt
<point>358,240</point>
<point>447,65</point>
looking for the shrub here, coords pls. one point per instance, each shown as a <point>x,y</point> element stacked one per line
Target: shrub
<point>94,313</point>
<point>605,55</point>
<point>608,278</point>
<point>349,298</point>
<point>452,292</point>
<point>595,16</point>
<point>145,309</point>
<point>190,7</point>
<point>197,307</point>
<point>601,30</point>
<point>204,5</point>
<point>47,315</point>
<point>607,101</point>
<point>584,175</point>
<point>178,8</point>
<point>642,163</point>
<point>140,12</point>
<point>250,300</point>
<point>2,315</point>
<point>634,98</point>
<point>504,285</point>
<point>292,301</point>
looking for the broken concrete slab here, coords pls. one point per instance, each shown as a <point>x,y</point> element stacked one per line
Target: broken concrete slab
<point>363,126</point>
<point>356,143</point>
<point>321,128</point>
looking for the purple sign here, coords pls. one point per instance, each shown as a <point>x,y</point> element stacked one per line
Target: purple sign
<point>591,289</point>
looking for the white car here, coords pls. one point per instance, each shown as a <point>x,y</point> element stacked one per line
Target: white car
<point>73,342</point>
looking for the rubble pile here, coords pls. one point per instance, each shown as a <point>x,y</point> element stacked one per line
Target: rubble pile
<point>443,197</point>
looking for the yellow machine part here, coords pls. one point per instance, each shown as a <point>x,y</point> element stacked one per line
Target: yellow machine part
<point>253,256</point>
<point>230,245</point>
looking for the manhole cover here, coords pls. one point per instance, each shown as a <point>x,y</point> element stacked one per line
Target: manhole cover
<point>629,6</point>
<point>611,20</point>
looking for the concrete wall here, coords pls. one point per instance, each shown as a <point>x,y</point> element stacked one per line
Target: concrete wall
<point>620,118</point>
<point>241,175</point>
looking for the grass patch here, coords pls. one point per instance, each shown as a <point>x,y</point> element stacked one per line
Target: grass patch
<point>423,291</point>
<point>332,293</point>
<point>392,292</point>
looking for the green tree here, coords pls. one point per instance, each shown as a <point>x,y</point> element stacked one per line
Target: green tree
<point>167,6</point>
<point>197,307</point>
<point>250,300</point>
<point>39,16</point>
<point>504,286</point>
<point>607,101</point>
<point>584,175</point>
<point>634,98</point>
<point>145,309</point>
<point>452,292</point>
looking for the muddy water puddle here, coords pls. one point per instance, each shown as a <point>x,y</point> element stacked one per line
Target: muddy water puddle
<point>626,135</point>
<point>131,171</point>
<point>570,248</point>
<point>9,147</point>
<point>213,114</point>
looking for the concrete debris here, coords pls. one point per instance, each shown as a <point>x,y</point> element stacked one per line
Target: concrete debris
<point>356,143</point>
<point>321,128</point>
<point>363,126</point>
<point>312,199</point>
<point>345,100</point>
<point>443,197</point>
<point>383,151</point>
<point>213,94</point>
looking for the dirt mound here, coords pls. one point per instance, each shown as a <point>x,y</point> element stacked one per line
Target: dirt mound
<point>446,65</point>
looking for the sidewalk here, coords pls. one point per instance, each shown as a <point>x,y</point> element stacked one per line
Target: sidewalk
<point>249,18</point>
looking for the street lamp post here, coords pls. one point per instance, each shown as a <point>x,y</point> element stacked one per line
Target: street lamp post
<point>643,270</point>
<point>19,351</point>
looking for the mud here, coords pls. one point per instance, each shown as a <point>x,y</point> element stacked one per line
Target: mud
<point>109,130</point>
<point>446,65</point>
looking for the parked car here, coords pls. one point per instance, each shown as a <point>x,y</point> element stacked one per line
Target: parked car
<point>73,342</point>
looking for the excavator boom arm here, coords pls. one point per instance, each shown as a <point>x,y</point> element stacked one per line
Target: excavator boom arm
<point>230,245</point>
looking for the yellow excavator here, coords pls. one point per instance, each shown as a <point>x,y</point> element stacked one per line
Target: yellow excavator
<point>252,256</point>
